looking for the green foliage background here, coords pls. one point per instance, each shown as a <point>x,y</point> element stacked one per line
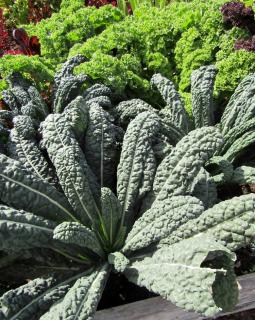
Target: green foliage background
<point>17,11</point>
<point>124,52</point>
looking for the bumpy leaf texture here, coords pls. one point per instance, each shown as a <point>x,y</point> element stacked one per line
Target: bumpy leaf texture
<point>202,82</point>
<point>182,271</point>
<point>37,296</point>
<point>24,230</point>
<point>178,171</point>
<point>24,98</point>
<point>137,164</point>
<point>173,101</point>
<point>82,299</point>
<point>231,221</point>
<point>161,220</point>
<point>71,166</point>
<point>74,232</point>
<point>101,147</point>
<point>23,146</point>
<point>22,190</point>
<point>177,245</point>
<point>244,175</point>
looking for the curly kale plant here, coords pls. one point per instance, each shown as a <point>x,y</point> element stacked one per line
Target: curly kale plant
<point>72,24</point>
<point>64,189</point>
<point>237,123</point>
<point>124,52</point>
<point>184,36</point>
<point>27,11</point>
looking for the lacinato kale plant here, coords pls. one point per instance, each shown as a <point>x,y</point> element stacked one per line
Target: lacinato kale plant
<point>72,186</point>
<point>233,162</point>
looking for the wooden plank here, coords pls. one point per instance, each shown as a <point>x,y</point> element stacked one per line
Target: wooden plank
<point>159,309</point>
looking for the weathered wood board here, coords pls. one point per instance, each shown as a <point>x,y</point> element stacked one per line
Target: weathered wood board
<point>159,309</point>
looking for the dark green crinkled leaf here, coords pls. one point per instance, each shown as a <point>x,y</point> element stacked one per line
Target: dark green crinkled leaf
<point>77,113</point>
<point>102,101</point>
<point>111,214</point>
<point>23,146</point>
<point>136,147</point>
<point>174,103</point>
<point>71,166</point>
<point>126,111</point>
<point>161,150</point>
<point>22,190</point>
<point>239,145</point>
<point>67,70</point>
<point>235,133</point>
<point>36,297</point>
<point>11,101</point>
<point>231,221</point>
<point>19,88</point>
<point>82,299</point>
<point>221,169</point>
<point>202,83</point>
<point>6,115</point>
<point>96,91</point>
<point>24,98</point>
<point>244,175</point>
<point>77,234</point>
<point>195,274</point>
<point>241,106</point>
<point>118,261</point>
<point>161,220</point>
<point>23,230</point>
<point>205,189</point>
<point>69,89</point>
<point>169,129</point>
<point>101,145</point>
<point>178,172</point>
<point>41,110</point>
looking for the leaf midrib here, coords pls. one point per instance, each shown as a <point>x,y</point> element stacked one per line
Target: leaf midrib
<point>55,203</point>
<point>72,182</point>
<point>47,291</point>
<point>28,158</point>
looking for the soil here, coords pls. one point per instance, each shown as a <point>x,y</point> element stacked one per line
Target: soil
<point>119,291</point>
